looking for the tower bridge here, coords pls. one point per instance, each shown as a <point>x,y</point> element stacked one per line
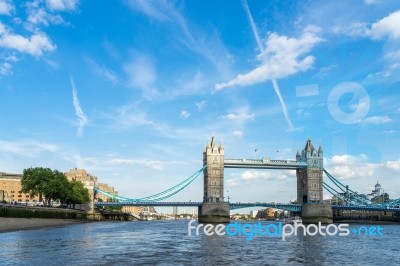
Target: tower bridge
<point>309,171</point>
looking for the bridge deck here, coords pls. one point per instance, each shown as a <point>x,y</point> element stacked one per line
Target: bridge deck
<point>238,205</point>
<point>264,163</point>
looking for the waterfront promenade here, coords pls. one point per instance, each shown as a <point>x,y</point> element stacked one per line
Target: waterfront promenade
<point>19,224</point>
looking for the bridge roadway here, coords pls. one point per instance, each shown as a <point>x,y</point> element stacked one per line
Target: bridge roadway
<point>238,205</point>
<point>265,163</point>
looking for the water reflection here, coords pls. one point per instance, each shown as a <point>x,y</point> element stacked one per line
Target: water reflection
<point>167,243</point>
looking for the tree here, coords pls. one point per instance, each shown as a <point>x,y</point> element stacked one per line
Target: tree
<point>34,181</point>
<point>78,194</point>
<point>112,208</point>
<point>53,185</point>
<point>56,188</point>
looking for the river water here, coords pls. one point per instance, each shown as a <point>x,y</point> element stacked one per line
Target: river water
<point>168,243</point>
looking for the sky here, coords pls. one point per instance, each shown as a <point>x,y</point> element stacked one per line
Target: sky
<point>132,91</point>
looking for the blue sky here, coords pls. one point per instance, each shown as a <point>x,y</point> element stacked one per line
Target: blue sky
<point>132,90</point>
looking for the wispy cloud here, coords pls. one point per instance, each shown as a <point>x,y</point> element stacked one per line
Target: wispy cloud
<point>62,5</point>
<point>142,75</point>
<point>253,25</point>
<point>200,105</point>
<point>155,165</point>
<point>237,133</point>
<point>371,2</point>
<point>376,120</point>
<point>393,165</point>
<point>6,7</point>
<point>128,117</point>
<point>5,69</point>
<point>82,118</point>
<point>208,46</point>
<point>28,148</point>
<point>102,71</point>
<point>280,59</point>
<point>241,116</point>
<point>184,114</point>
<point>385,29</point>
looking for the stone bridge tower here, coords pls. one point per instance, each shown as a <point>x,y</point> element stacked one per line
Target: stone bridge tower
<point>309,186</point>
<point>214,209</point>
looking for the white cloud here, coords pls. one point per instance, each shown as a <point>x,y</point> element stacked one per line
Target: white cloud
<point>155,165</point>
<point>62,5</point>
<point>393,165</point>
<point>384,29</point>
<point>348,166</point>
<point>346,158</point>
<point>371,2</point>
<point>39,16</point>
<point>376,120</point>
<point>282,57</point>
<point>142,74</point>
<point>200,105</point>
<point>82,119</point>
<point>389,132</point>
<point>28,148</point>
<point>102,71</point>
<point>255,175</point>
<point>5,69</point>
<point>184,114</point>
<point>387,27</point>
<point>208,46</point>
<point>262,50</point>
<point>241,116</point>
<point>238,133</point>
<point>127,117</point>
<point>6,7</point>
<point>261,175</point>
<point>151,9</point>
<point>35,45</point>
<point>231,182</point>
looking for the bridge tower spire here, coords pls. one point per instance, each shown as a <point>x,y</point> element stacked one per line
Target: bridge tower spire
<point>310,186</point>
<point>214,208</point>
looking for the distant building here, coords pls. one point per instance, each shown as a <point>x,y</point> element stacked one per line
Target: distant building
<point>90,181</point>
<point>139,210</point>
<point>175,210</point>
<point>378,191</point>
<point>253,213</point>
<point>10,189</point>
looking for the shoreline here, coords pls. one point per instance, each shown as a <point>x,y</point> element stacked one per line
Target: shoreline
<point>21,224</point>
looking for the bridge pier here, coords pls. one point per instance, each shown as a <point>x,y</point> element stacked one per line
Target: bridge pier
<point>315,213</point>
<point>214,212</point>
<point>214,209</point>
<point>310,186</point>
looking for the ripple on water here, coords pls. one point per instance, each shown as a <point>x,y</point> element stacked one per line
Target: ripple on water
<point>167,243</point>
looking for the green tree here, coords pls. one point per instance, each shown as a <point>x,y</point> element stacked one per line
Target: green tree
<point>78,194</point>
<point>57,188</point>
<point>53,185</point>
<point>34,181</point>
<point>112,208</point>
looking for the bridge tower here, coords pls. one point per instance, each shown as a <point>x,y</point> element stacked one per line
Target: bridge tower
<point>309,186</point>
<point>214,208</point>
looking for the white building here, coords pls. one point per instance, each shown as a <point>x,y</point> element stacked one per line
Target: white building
<point>378,191</point>
<point>253,213</point>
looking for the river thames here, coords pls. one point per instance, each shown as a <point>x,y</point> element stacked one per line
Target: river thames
<point>168,243</point>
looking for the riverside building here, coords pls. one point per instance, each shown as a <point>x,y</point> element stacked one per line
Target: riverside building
<point>10,190</point>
